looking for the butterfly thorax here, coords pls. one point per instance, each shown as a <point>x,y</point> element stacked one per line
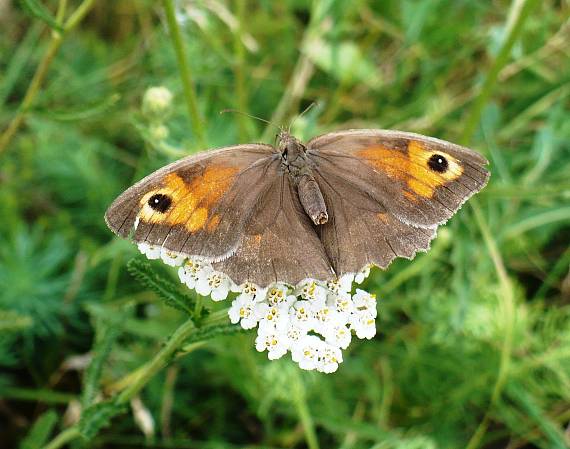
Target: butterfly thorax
<point>297,164</point>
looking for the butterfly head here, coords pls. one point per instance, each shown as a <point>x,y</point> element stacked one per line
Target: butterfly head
<point>289,146</point>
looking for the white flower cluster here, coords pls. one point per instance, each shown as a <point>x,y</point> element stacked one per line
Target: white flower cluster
<point>314,320</point>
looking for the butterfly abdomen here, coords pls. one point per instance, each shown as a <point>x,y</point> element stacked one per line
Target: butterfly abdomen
<point>312,199</point>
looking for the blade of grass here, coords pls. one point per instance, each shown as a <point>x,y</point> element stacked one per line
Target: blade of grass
<point>299,398</point>
<point>303,71</point>
<point>185,72</point>
<point>42,70</point>
<point>507,308</point>
<point>239,65</point>
<point>19,60</point>
<point>519,13</point>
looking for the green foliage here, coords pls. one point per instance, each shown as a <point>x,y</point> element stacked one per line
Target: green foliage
<point>33,281</point>
<point>166,290</point>
<point>97,416</point>
<point>40,431</point>
<point>106,335</point>
<point>38,10</point>
<point>473,342</point>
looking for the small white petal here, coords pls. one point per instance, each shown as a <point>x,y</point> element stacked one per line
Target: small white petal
<point>275,343</point>
<point>345,282</point>
<point>182,274</point>
<point>171,258</point>
<point>364,325</point>
<point>202,286</point>
<point>362,275</point>
<point>220,293</point>
<point>150,251</point>
<point>329,358</point>
<point>306,352</point>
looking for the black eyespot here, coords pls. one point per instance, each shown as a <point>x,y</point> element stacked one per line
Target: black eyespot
<point>160,202</point>
<point>438,163</point>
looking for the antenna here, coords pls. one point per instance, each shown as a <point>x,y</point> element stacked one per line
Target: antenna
<point>307,109</point>
<point>235,111</point>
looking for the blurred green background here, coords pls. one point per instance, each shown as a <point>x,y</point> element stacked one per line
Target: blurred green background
<point>473,341</point>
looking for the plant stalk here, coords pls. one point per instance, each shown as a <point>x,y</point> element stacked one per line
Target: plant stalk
<point>42,70</point>
<point>185,72</point>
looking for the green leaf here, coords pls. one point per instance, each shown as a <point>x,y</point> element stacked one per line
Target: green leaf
<point>141,270</point>
<point>40,431</point>
<point>37,9</point>
<point>529,405</point>
<point>101,350</point>
<point>98,416</point>
<point>344,61</point>
<point>213,331</point>
<point>84,113</point>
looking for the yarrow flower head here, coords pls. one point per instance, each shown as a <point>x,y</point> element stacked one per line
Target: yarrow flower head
<point>313,320</point>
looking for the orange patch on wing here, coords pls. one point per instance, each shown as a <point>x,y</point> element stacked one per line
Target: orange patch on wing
<point>192,201</point>
<point>383,217</point>
<point>412,167</point>
<point>213,223</point>
<point>197,219</point>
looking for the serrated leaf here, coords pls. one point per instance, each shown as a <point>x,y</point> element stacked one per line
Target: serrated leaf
<point>141,270</point>
<point>98,416</point>
<point>213,331</point>
<point>101,350</point>
<point>38,10</point>
<point>85,113</point>
<point>40,431</point>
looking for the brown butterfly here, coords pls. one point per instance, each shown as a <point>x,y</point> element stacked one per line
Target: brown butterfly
<point>318,210</point>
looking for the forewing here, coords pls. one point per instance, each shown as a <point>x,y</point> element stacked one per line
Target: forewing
<point>280,242</point>
<point>393,167</point>
<point>210,197</point>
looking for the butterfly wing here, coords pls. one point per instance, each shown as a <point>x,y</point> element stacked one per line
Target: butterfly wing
<point>235,207</point>
<point>198,205</point>
<point>387,191</point>
<point>280,242</point>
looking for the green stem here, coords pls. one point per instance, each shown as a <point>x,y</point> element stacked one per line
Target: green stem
<point>32,91</point>
<point>64,437</point>
<point>78,15</point>
<point>302,73</point>
<point>61,8</point>
<point>158,362</point>
<point>185,73</point>
<point>520,11</point>
<point>507,308</point>
<point>304,414</point>
<point>43,395</point>
<point>41,71</point>
<point>140,377</point>
<point>239,63</point>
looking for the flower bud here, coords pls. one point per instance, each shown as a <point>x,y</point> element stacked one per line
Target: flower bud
<point>158,132</point>
<point>157,102</point>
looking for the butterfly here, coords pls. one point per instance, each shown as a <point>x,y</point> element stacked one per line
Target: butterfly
<point>340,202</point>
